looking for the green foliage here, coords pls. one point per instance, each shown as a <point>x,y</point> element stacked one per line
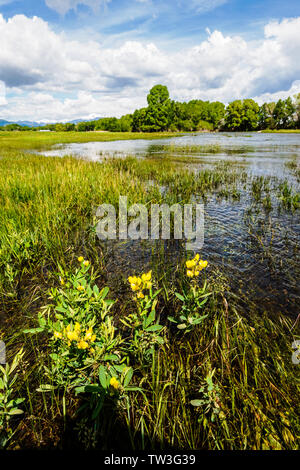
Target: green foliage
<point>145,332</point>
<point>210,398</point>
<point>242,115</point>
<point>9,406</point>
<point>191,312</point>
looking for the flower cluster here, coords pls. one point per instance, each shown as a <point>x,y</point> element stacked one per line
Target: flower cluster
<point>194,266</point>
<point>83,338</point>
<point>139,284</point>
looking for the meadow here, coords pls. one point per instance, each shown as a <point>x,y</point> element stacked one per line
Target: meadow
<point>161,351</point>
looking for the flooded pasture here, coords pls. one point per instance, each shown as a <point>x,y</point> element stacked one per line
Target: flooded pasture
<point>252,225</point>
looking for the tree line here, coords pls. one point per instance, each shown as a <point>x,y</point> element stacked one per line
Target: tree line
<point>164,114</point>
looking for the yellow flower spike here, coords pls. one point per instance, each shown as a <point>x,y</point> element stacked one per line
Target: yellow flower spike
<point>80,259</point>
<point>86,263</point>
<point>189,273</point>
<point>196,258</point>
<point>147,276</point>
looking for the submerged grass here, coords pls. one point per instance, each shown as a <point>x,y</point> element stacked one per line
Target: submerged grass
<point>230,383</point>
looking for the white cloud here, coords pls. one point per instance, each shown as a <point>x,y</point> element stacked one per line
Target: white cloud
<point>63,6</point>
<point>52,77</point>
<point>2,94</point>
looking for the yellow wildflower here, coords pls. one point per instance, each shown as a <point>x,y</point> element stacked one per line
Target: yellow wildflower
<point>80,259</point>
<point>62,282</point>
<point>89,336</point>
<point>72,335</point>
<point>194,266</point>
<point>147,276</point>
<point>80,288</point>
<point>57,334</point>
<point>135,282</point>
<point>82,344</point>
<point>86,263</point>
<point>77,326</point>
<point>114,382</point>
<point>148,285</point>
<point>190,264</point>
<point>203,263</point>
<point>140,295</point>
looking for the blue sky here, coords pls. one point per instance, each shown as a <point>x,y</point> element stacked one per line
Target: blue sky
<point>63,59</point>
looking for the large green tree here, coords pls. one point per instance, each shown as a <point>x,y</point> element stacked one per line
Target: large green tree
<point>242,115</point>
<point>157,115</point>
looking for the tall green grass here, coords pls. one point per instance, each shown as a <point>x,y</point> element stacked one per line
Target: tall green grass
<point>237,365</point>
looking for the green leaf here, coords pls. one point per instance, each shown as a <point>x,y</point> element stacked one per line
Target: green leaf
<point>104,292</point>
<point>16,411</point>
<point>154,328</point>
<point>196,402</point>
<point>172,319</point>
<point>110,357</point>
<point>98,407</point>
<point>180,297</point>
<point>150,319</point>
<point>134,389</point>
<point>128,377</point>
<point>46,388</point>
<point>182,326</point>
<point>33,331</point>
<point>102,376</point>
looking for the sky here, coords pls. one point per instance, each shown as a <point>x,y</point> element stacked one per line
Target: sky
<point>62,60</point>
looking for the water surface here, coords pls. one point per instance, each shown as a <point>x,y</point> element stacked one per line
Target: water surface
<point>256,249</point>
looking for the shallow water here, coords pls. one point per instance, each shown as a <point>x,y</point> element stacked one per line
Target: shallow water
<point>264,153</point>
<point>258,250</point>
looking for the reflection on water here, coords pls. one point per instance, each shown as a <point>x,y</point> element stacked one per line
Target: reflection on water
<point>257,249</point>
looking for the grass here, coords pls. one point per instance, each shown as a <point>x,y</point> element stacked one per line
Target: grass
<point>229,383</point>
<point>33,140</point>
<point>281,131</point>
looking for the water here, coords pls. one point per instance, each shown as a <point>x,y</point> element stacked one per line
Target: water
<point>265,153</point>
<point>257,250</point>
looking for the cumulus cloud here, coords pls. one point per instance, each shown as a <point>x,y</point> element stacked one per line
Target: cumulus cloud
<point>51,77</point>
<point>2,94</point>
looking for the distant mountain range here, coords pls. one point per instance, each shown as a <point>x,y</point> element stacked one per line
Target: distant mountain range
<point>3,122</point>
